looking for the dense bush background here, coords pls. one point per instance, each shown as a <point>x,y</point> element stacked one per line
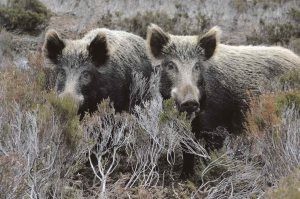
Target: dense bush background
<point>24,15</point>
<point>44,149</point>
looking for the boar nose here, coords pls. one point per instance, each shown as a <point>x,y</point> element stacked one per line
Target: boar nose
<point>189,106</point>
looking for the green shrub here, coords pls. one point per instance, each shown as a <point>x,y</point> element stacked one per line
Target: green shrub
<point>171,113</point>
<point>215,168</point>
<point>28,15</point>
<point>66,110</point>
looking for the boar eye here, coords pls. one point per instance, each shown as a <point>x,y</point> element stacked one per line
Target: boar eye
<point>197,66</point>
<point>170,65</point>
<point>85,76</point>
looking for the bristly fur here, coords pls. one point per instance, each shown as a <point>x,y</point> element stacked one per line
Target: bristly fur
<point>227,75</point>
<point>98,66</point>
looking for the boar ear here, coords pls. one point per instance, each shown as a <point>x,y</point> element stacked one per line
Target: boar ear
<point>209,41</point>
<point>157,39</point>
<point>53,45</point>
<point>98,50</point>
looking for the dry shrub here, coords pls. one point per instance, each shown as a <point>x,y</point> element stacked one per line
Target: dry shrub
<point>27,87</point>
<point>262,115</point>
<point>45,152</point>
<point>19,86</point>
<point>288,187</point>
<point>250,165</point>
<point>45,76</point>
<point>36,137</point>
<point>6,48</point>
<point>143,146</point>
<point>240,5</point>
<point>39,149</point>
<point>10,164</point>
<point>44,133</point>
<point>266,110</point>
<point>275,33</point>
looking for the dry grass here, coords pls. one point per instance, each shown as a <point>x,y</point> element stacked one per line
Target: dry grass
<point>288,187</point>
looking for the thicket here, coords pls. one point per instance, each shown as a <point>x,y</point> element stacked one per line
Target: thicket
<point>45,151</point>
<point>24,15</point>
<point>138,23</point>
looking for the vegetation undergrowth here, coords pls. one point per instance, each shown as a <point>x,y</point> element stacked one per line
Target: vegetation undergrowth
<point>24,15</point>
<point>46,152</point>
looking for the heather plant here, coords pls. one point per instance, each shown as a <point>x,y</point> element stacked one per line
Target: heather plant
<point>138,143</point>
<point>46,152</point>
<point>36,160</point>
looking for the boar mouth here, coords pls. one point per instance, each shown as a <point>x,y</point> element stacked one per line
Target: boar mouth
<point>192,109</point>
